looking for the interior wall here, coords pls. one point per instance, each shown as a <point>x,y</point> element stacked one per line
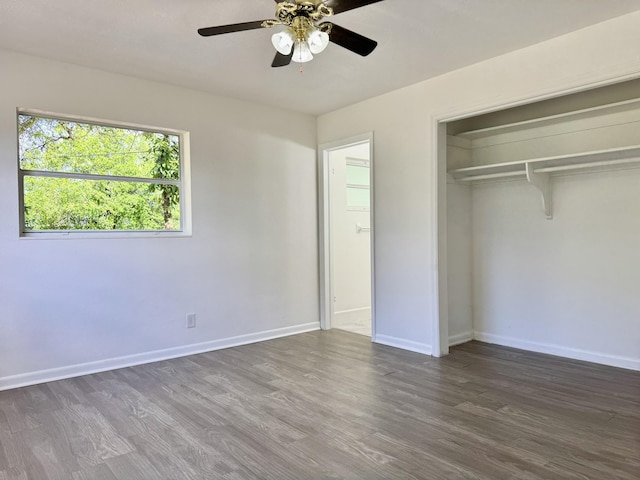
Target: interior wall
<point>249,271</point>
<point>568,286</point>
<point>459,263</point>
<point>406,262</point>
<point>459,246</point>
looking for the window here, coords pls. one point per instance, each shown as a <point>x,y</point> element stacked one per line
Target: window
<point>358,185</point>
<point>87,176</point>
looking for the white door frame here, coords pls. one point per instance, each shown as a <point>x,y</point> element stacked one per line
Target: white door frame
<point>324,228</point>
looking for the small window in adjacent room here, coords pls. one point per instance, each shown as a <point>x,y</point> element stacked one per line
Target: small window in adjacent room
<point>85,176</point>
<point>358,185</point>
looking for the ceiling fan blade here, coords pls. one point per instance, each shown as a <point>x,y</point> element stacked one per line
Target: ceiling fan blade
<point>349,40</point>
<point>234,27</point>
<point>281,60</point>
<point>340,6</point>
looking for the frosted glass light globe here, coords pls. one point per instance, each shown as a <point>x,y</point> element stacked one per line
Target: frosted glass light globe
<point>283,42</point>
<point>301,52</point>
<point>318,41</point>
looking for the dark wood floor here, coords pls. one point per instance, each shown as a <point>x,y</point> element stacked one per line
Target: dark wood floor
<point>329,405</point>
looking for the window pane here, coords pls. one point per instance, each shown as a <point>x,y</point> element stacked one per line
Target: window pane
<point>358,197</point>
<point>55,145</point>
<point>357,175</point>
<point>71,204</point>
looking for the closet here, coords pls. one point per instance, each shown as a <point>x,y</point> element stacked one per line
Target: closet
<point>543,226</point>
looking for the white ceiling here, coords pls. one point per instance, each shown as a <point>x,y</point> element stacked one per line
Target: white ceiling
<point>418,39</point>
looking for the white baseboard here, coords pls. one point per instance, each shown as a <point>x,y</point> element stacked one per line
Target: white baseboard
<point>404,344</point>
<point>574,353</point>
<point>41,376</point>
<point>460,338</point>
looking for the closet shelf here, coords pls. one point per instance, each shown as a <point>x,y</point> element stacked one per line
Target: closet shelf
<point>607,109</point>
<point>549,165</point>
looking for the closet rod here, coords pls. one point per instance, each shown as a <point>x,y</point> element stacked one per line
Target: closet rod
<point>576,166</point>
<point>488,176</point>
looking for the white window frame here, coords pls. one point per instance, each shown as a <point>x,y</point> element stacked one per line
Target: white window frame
<point>183,183</point>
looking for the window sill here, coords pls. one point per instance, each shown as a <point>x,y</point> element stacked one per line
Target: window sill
<point>104,235</point>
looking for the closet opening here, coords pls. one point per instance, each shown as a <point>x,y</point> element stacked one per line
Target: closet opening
<point>540,215</point>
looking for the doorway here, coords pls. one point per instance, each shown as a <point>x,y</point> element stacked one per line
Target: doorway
<point>347,233</point>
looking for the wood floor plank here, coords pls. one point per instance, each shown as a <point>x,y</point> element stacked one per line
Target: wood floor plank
<point>13,474</point>
<point>168,458</point>
<point>330,405</point>
<point>134,466</point>
<point>14,413</point>
<point>91,437</point>
<point>40,455</point>
<point>323,455</point>
<point>256,453</point>
<point>99,472</point>
<point>418,460</point>
<point>4,461</point>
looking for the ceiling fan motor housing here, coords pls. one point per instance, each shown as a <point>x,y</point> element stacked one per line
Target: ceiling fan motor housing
<point>286,12</point>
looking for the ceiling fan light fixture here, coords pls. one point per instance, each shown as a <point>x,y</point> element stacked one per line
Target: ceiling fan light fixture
<point>305,33</point>
<point>301,52</point>
<point>318,41</point>
<point>283,42</point>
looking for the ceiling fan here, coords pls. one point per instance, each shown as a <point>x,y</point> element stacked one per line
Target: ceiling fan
<point>304,35</point>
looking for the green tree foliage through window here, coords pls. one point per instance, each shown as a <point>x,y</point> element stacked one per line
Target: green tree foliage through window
<point>66,168</point>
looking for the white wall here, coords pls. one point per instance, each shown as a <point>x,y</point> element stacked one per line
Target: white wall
<point>569,286</point>
<point>351,251</point>
<point>459,263</point>
<point>249,270</point>
<point>459,247</point>
<point>406,155</point>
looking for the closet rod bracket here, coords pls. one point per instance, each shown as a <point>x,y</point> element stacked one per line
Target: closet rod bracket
<point>542,181</point>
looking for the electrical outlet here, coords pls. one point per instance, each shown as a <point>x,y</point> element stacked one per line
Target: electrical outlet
<point>191,320</point>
